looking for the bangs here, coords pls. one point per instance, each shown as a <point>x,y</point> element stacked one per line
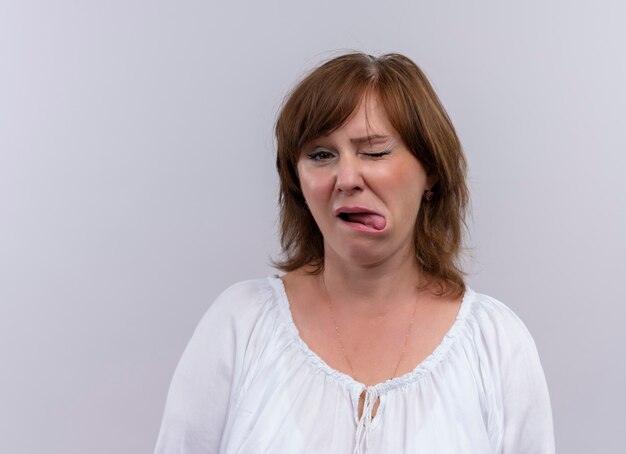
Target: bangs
<point>324,101</point>
<point>412,108</point>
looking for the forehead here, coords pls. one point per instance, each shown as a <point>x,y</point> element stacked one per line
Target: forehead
<point>367,123</point>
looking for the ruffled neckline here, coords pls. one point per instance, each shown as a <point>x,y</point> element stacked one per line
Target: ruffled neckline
<point>346,381</point>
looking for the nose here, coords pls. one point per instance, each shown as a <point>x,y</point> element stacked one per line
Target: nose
<point>349,177</point>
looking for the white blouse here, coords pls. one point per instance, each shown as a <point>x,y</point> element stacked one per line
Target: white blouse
<point>248,384</point>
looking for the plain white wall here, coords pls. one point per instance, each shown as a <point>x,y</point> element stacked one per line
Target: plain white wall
<point>137,181</point>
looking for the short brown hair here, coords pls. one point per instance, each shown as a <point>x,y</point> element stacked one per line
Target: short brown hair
<point>321,103</point>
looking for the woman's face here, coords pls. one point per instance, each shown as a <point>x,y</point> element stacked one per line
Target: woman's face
<point>363,187</point>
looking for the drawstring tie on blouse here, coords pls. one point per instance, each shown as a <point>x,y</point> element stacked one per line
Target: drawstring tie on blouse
<point>365,423</point>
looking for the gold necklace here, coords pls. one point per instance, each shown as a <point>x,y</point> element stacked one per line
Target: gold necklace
<point>343,349</point>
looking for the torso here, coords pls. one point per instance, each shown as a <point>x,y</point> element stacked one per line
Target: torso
<point>257,387</point>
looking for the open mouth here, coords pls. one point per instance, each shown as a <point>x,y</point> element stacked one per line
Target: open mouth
<point>368,220</point>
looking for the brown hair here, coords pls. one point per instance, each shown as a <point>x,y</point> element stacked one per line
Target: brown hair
<point>321,103</point>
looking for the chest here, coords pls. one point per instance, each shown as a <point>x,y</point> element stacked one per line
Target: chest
<point>375,350</point>
<point>436,403</point>
<point>307,409</point>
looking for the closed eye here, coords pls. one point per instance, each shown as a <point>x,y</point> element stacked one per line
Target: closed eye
<point>377,155</point>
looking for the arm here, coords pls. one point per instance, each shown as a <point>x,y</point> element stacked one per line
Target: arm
<point>199,394</point>
<point>525,414</point>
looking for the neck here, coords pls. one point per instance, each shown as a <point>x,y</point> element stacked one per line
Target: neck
<point>371,289</point>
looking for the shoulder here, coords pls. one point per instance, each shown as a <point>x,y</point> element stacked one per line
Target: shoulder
<point>200,393</point>
<point>496,325</point>
<point>504,347</point>
<point>492,313</point>
<point>239,305</point>
<point>244,296</point>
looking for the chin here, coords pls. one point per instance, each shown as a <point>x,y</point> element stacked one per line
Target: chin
<point>363,256</point>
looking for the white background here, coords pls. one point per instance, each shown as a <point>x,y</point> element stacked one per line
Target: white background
<point>137,181</point>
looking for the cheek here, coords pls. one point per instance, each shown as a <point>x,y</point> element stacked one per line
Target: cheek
<point>410,202</point>
<point>314,186</point>
<point>408,188</point>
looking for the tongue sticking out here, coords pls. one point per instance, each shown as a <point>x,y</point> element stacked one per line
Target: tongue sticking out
<point>375,221</point>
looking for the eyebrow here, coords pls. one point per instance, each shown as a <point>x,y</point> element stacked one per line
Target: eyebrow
<point>370,139</point>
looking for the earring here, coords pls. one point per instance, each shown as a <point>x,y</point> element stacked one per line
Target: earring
<point>428,195</point>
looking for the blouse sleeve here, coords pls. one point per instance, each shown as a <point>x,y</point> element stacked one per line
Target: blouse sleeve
<point>199,394</point>
<point>524,414</point>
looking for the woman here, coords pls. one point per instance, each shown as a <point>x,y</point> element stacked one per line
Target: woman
<point>371,341</point>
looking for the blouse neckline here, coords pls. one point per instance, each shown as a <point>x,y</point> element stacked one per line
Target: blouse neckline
<point>345,380</point>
